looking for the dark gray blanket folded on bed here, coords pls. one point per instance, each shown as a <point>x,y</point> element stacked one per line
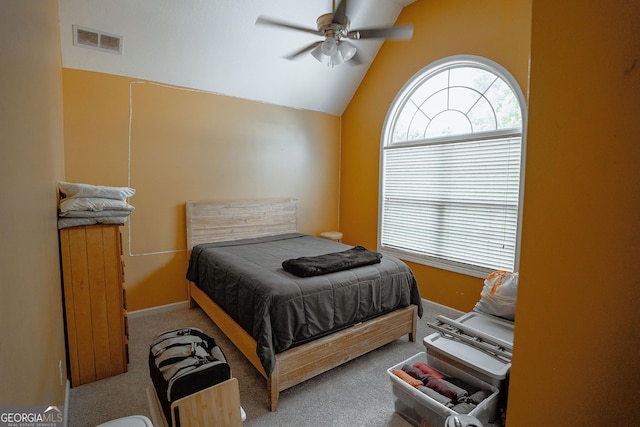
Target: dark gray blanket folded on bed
<point>357,256</point>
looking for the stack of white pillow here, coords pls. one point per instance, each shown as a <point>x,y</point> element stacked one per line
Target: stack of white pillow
<point>85,204</point>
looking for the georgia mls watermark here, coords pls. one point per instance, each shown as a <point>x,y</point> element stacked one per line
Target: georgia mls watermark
<point>31,416</point>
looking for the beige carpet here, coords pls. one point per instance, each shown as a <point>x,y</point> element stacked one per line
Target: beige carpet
<point>355,394</point>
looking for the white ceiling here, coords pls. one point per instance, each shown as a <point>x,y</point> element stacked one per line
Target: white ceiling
<point>215,46</point>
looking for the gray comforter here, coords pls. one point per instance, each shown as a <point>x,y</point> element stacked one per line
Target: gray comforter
<point>280,310</point>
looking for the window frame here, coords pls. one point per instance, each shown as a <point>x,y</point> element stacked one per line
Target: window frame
<point>387,133</point>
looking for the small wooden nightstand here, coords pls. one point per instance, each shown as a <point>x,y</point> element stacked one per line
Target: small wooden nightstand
<point>336,236</point>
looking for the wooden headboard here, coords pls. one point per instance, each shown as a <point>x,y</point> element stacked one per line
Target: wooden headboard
<point>216,221</point>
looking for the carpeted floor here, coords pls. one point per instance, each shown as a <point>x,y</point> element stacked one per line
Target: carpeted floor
<point>357,393</point>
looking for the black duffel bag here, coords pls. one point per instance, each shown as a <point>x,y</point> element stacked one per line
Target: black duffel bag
<point>183,362</point>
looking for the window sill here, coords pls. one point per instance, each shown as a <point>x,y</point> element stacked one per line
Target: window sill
<point>455,267</point>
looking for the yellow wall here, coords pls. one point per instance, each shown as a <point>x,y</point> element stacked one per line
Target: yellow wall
<point>575,360</point>
<point>577,337</point>
<point>31,164</point>
<point>496,29</point>
<point>184,145</point>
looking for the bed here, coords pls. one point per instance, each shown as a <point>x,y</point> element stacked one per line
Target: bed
<point>235,268</point>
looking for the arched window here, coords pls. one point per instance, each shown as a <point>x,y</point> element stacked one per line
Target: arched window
<point>452,168</point>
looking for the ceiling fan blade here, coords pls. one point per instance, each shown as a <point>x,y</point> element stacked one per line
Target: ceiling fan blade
<point>400,32</point>
<point>340,14</point>
<point>263,20</point>
<point>298,53</point>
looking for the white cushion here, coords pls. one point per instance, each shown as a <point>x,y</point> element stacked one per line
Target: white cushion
<point>131,421</point>
<point>70,189</point>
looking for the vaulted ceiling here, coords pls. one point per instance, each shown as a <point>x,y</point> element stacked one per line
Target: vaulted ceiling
<point>216,46</point>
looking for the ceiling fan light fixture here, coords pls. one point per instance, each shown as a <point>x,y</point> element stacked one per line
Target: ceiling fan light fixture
<point>317,53</point>
<point>332,60</point>
<point>347,50</point>
<point>329,47</point>
<point>335,59</point>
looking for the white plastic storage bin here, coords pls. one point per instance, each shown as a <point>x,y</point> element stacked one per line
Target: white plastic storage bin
<point>488,368</point>
<point>421,410</point>
<point>490,325</point>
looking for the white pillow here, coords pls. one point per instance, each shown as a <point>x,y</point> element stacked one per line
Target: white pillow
<point>75,222</point>
<point>70,189</point>
<point>95,204</point>
<point>92,214</point>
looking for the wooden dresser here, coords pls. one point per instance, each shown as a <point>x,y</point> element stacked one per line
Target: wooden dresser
<point>95,302</point>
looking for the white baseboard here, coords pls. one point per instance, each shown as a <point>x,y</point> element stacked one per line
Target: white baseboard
<point>67,388</point>
<point>158,309</point>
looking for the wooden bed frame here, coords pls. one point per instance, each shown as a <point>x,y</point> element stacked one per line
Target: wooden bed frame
<point>232,220</point>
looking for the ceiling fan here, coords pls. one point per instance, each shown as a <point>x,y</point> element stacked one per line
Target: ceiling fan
<point>334,28</point>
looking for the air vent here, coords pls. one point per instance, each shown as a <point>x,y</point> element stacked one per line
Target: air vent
<point>95,39</point>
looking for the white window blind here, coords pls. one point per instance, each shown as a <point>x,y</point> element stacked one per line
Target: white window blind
<point>451,197</point>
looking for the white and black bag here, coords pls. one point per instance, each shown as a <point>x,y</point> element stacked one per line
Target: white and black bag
<point>182,362</point>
